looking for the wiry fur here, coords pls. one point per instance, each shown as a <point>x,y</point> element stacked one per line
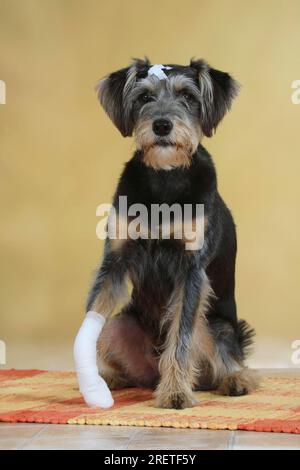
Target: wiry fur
<point>179,330</point>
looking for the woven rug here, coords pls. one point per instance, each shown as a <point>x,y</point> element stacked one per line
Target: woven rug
<point>37,396</point>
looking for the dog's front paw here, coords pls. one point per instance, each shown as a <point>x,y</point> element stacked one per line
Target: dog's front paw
<point>176,400</point>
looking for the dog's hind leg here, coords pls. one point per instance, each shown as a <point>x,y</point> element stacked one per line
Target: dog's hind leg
<point>126,355</point>
<point>239,383</point>
<point>230,376</point>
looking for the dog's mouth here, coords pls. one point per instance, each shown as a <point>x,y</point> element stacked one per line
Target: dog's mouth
<point>163,143</point>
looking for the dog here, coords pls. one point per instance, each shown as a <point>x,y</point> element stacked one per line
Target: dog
<point>178,331</point>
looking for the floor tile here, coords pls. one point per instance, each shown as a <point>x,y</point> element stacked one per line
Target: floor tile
<point>265,440</point>
<point>116,443</point>
<point>12,444</point>
<point>189,439</point>
<point>86,437</point>
<point>76,431</point>
<point>19,430</point>
<point>15,436</point>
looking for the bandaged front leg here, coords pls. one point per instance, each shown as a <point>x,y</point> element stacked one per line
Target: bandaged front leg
<point>92,386</point>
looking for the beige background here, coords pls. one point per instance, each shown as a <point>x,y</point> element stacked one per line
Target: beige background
<point>61,156</point>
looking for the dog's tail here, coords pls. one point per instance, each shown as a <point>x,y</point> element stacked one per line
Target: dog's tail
<point>245,334</point>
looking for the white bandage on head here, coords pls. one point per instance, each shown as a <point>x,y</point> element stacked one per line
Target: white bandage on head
<point>92,386</point>
<point>158,71</point>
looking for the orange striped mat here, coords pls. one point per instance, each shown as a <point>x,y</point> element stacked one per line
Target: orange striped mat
<point>37,396</point>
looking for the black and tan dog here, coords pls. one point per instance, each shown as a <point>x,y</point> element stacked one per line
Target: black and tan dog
<point>179,331</point>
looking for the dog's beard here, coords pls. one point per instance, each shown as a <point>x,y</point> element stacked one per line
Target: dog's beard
<point>168,152</point>
<point>166,157</point>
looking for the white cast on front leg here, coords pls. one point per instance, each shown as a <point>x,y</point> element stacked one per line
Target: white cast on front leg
<point>92,386</point>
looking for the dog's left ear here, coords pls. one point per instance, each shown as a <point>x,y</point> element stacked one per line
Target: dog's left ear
<point>218,90</point>
<point>113,92</point>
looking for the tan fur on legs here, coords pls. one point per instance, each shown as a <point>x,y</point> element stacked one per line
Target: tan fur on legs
<point>177,383</point>
<point>175,387</point>
<point>203,347</point>
<point>239,383</point>
<point>109,297</point>
<point>174,390</point>
<point>222,371</point>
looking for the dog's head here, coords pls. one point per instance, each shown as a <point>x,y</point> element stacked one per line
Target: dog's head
<point>168,108</point>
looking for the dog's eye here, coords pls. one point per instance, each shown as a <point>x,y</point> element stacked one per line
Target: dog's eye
<point>145,97</point>
<point>187,96</point>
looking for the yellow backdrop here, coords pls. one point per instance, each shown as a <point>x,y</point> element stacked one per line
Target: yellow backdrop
<point>61,156</point>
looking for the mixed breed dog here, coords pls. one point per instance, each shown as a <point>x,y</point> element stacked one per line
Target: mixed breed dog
<point>178,331</point>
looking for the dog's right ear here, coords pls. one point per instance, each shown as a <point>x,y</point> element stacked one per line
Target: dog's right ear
<point>113,94</point>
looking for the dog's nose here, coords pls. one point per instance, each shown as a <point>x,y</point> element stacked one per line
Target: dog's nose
<point>162,127</point>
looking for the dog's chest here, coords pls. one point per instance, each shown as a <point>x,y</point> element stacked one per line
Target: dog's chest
<point>169,187</point>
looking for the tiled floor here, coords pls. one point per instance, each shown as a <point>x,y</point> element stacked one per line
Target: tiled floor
<point>40,436</point>
<point>37,436</point>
